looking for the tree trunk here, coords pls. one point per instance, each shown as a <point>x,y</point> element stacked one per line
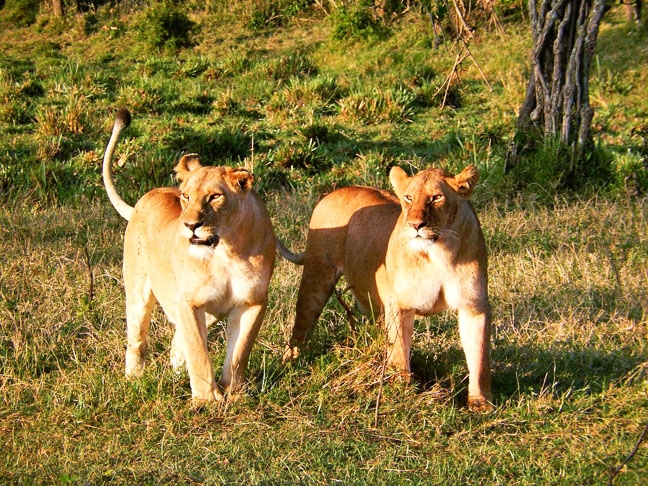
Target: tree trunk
<point>633,10</point>
<point>57,8</point>
<point>557,97</point>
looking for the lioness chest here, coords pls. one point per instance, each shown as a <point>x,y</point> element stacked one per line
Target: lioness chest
<point>417,281</point>
<point>233,280</point>
<point>381,266</point>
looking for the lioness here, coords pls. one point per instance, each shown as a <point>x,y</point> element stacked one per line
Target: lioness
<point>418,253</point>
<point>205,248</point>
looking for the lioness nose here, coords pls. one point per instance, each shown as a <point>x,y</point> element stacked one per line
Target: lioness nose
<point>417,225</point>
<point>193,226</point>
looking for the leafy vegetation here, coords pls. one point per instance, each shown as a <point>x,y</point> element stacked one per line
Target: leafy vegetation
<point>308,109</point>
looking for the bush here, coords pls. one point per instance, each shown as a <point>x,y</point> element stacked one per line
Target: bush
<point>20,13</point>
<point>275,13</point>
<point>166,27</point>
<point>357,22</point>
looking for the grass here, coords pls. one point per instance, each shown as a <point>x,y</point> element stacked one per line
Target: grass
<point>308,113</point>
<point>569,364</point>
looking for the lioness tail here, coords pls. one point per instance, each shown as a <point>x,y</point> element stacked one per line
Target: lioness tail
<point>296,258</point>
<point>122,120</point>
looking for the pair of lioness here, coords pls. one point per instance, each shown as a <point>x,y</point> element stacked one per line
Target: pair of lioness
<point>208,248</point>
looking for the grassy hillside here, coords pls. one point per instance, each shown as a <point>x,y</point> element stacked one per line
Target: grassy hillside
<point>307,112</point>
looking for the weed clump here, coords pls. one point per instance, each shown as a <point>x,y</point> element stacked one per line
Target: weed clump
<point>275,13</point>
<point>380,106</point>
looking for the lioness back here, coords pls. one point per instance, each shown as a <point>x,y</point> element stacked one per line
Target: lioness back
<point>342,227</point>
<point>342,210</point>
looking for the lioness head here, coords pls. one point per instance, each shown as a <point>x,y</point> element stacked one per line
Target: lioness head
<point>210,198</point>
<point>431,200</point>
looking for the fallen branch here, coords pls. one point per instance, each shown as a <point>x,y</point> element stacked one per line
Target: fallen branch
<point>615,472</point>
<point>86,254</point>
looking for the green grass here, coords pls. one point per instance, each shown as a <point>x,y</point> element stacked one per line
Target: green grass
<point>307,113</point>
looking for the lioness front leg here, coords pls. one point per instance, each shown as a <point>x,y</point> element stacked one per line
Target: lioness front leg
<point>139,305</point>
<point>176,355</point>
<point>474,330</point>
<point>242,329</point>
<point>191,333</point>
<point>400,328</point>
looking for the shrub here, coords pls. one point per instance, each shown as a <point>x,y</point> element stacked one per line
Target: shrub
<point>167,27</point>
<point>550,166</point>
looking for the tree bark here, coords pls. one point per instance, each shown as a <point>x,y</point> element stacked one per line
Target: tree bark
<point>557,97</point>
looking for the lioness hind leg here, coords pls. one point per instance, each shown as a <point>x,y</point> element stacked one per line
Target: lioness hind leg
<point>139,306</point>
<point>242,329</point>
<point>474,331</point>
<point>316,287</point>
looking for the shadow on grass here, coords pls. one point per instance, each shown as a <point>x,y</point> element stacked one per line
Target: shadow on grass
<point>533,370</point>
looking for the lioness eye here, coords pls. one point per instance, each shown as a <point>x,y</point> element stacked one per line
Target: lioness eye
<point>436,198</point>
<point>408,199</point>
<point>214,197</point>
<point>184,197</point>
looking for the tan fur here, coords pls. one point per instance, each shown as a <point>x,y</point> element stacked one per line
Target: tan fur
<point>417,253</point>
<point>205,249</point>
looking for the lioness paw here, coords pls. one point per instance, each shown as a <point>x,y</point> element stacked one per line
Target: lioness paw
<point>290,354</point>
<point>215,396</point>
<point>134,366</point>
<point>480,404</point>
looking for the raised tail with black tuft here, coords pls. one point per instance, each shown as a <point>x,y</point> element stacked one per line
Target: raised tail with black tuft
<point>122,121</point>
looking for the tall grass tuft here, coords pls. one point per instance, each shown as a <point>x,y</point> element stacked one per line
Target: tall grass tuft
<point>379,106</point>
<point>165,26</point>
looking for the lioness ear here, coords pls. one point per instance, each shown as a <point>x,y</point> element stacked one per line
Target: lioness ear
<point>188,163</point>
<point>465,182</point>
<point>242,179</point>
<point>399,179</point>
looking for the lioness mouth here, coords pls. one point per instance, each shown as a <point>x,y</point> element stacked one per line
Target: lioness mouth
<point>211,241</point>
<point>431,238</point>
